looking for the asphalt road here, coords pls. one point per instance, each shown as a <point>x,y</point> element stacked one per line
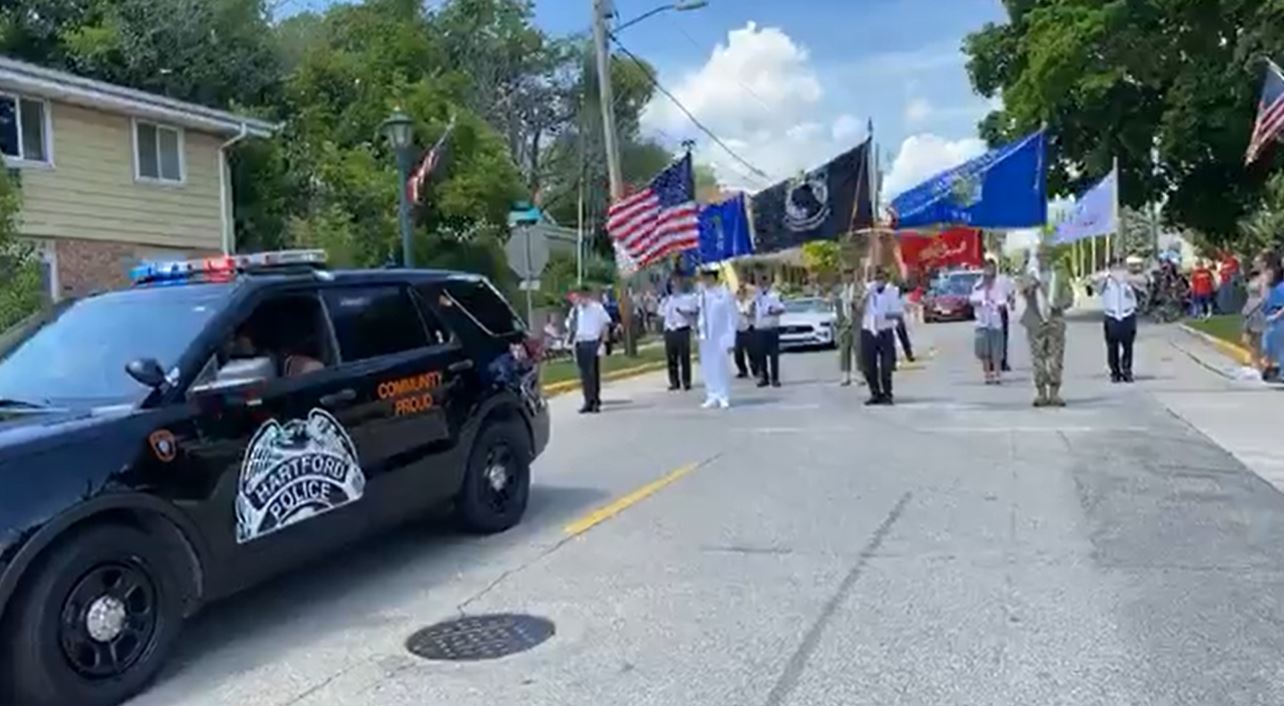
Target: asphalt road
<point>959,548</point>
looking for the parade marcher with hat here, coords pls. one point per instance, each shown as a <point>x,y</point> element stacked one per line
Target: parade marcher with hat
<point>716,329</point>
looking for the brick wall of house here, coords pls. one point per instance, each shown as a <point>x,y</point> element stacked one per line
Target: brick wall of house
<point>84,266</point>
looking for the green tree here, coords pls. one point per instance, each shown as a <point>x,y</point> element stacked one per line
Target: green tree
<point>20,292</point>
<point>822,258</point>
<point>1167,86</point>
<point>1263,227</point>
<point>213,52</point>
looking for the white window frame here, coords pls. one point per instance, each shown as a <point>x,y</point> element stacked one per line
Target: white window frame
<point>182,150</point>
<point>21,161</point>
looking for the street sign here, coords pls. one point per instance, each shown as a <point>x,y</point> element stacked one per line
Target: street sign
<point>529,285</point>
<point>527,251</point>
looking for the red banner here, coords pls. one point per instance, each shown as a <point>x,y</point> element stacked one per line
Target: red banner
<point>956,247</point>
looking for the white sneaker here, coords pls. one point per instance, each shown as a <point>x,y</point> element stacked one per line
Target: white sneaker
<point>723,404</point>
<point>709,404</point>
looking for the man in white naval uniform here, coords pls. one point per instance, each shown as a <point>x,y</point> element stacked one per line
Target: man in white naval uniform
<point>716,327</point>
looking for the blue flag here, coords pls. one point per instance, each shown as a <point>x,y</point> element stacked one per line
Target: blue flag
<point>1094,212</point>
<point>1003,188</point>
<point>724,230</point>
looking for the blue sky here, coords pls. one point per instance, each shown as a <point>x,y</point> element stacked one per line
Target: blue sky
<point>794,81</point>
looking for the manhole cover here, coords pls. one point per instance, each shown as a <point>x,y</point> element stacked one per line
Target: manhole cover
<point>479,637</point>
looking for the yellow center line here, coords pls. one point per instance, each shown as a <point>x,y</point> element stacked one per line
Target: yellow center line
<point>619,505</point>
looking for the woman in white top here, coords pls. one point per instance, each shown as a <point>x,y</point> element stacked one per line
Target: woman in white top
<point>989,298</point>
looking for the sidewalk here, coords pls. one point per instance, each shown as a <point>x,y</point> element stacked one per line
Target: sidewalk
<point>1241,416</point>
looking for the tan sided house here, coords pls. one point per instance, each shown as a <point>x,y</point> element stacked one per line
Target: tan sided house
<point>110,175</point>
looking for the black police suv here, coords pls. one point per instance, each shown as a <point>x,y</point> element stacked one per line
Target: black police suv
<point>224,420</point>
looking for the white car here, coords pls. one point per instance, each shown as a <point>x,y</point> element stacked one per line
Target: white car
<point>808,322</point>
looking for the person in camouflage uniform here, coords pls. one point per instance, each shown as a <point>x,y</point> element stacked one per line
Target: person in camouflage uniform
<point>1047,291</point>
<point>847,305</point>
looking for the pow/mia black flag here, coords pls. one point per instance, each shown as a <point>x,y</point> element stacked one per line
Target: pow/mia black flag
<point>820,205</point>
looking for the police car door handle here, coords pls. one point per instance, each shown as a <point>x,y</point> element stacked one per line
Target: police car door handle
<point>341,397</point>
<point>460,366</point>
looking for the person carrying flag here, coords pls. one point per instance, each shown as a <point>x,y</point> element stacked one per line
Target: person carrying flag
<point>716,328</point>
<point>1047,291</point>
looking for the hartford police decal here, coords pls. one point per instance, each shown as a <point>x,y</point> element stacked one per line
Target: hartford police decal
<point>294,471</point>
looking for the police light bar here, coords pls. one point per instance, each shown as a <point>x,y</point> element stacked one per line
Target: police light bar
<point>222,266</point>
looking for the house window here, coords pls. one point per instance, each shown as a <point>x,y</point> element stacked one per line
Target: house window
<point>158,152</point>
<point>24,129</point>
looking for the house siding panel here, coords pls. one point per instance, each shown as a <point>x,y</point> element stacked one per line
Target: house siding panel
<point>91,194</point>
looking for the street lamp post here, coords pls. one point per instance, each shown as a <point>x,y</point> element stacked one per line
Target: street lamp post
<point>399,129</point>
<point>601,11</point>
<point>680,6</point>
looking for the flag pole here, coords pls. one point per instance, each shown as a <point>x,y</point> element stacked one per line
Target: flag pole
<point>1118,223</point>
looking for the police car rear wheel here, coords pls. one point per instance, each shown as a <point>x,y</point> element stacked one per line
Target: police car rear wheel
<point>99,614</point>
<point>497,483</point>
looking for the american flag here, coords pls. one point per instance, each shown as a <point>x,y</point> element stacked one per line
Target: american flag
<point>1270,113</point>
<point>427,165</point>
<point>660,220</point>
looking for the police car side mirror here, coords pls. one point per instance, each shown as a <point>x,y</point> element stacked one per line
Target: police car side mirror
<point>238,375</point>
<point>146,371</point>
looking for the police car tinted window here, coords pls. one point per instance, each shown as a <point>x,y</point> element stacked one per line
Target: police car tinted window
<point>480,300</point>
<point>374,321</point>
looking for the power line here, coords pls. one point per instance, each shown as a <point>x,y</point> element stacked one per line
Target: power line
<point>656,83</point>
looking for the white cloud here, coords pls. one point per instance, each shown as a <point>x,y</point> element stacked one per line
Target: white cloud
<point>759,79</point>
<point>917,110</point>
<point>759,92</point>
<point>923,156</point>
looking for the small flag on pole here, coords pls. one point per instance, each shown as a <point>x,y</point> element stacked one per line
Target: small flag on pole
<point>427,165</point>
<point>659,220</point>
<point>1094,212</point>
<point>1270,114</point>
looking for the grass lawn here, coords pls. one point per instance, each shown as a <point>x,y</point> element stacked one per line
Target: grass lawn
<point>564,368</point>
<point>1228,327</point>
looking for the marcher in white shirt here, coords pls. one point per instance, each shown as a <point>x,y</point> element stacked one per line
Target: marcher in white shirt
<point>679,311</point>
<point>883,309</point>
<point>717,331</point>
<point>989,300</point>
<point>1119,303</point>
<point>589,326</point>
<point>767,309</point>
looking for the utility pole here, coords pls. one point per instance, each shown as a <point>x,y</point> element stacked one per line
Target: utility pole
<point>605,95</point>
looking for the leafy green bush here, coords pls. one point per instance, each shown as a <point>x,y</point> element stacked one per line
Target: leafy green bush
<point>19,268</point>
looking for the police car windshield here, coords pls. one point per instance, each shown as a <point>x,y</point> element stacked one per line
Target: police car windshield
<point>77,352</point>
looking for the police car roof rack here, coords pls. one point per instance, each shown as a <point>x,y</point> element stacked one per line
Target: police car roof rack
<point>223,268</point>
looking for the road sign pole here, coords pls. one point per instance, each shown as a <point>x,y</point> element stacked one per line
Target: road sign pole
<point>530,267</point>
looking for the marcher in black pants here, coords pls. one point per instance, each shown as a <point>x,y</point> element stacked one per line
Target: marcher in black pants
<point>679,313</point>
<point>767,308</point>
<point>588,325</point>
<point>677,353</point>
<point>878,357</point>
<point>1120,335</point>
<point>768,356</point>
<point>1119,303</point>
<point>590,368</point>
<point>882,309</point>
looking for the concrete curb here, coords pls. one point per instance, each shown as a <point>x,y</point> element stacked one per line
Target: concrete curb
<point>1234,351</point>
<point>565,386</point>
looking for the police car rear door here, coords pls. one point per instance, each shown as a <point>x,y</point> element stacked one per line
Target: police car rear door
<point>404,374</point>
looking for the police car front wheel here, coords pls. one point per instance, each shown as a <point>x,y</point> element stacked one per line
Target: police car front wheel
<point>497,482</point>
<point>98,615</point>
